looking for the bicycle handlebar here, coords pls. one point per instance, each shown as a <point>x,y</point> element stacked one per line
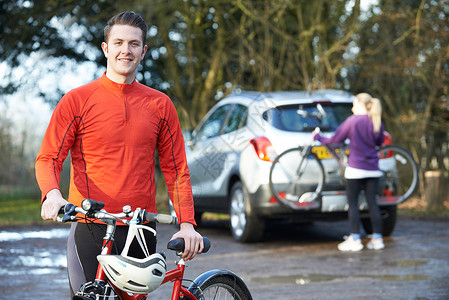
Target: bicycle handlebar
<point>94,209</point>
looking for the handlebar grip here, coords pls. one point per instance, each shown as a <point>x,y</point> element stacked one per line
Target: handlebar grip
<point>206,244</point>
<point>164,219</point>
<point>178,245</point>
<point>61,210</point>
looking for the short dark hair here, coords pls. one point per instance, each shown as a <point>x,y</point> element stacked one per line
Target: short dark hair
<point>126,18</point>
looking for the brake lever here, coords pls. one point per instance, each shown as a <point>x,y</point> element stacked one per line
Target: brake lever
<point>69,213</point>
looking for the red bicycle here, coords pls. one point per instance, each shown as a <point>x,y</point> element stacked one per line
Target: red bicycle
<point>118,277</point>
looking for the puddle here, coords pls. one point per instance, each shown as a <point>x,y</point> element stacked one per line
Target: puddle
<point>316,278</point>
<point>294,279</point>
<point>406,263</point>
<point>17,258</point>
<point>409,277</point>
<point>11,236</point>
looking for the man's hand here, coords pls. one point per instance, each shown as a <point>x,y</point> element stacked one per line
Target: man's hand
<point>193,241</point>
<point>52,204</point>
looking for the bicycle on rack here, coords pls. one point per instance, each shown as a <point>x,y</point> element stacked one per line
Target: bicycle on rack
<point>298,176</point>
<point>118,275</point>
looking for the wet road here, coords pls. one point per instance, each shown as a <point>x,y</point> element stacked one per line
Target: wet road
<point>299,262</point>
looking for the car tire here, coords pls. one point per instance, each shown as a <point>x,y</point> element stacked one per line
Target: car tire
<point>389,216</point>
<point>245,226</point>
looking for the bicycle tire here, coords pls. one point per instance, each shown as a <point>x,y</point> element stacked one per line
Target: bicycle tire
<point>296,179</point>
<point>400,178</point>
<point>222,286</point>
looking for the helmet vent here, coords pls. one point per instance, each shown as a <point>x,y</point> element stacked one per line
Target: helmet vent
<point>108,274</point>
<point>158,273</point>
<point>135,283</point>
<point>115,271</point>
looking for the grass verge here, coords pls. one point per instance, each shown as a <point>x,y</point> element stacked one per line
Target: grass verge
<point>20,212</point>
<point>26,211</point>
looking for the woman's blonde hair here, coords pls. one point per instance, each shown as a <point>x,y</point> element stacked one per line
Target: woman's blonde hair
<point>373,107</point>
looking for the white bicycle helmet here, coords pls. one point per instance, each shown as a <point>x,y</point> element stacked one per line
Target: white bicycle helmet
<point>134,275</point>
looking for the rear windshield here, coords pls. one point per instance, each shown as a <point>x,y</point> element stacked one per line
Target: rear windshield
<point>305,117</point>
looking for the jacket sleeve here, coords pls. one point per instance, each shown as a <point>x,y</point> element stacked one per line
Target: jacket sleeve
<point>340,135</point>
<point>381,136</point>
<point>56,144</point>
<point>173,162</point>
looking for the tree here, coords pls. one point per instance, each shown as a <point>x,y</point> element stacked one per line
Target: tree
<point>14,165</point>
<point>404,60</point>
<point>199,51</point>
<point>209,48</point>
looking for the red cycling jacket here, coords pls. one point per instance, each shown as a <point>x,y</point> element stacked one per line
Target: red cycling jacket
<point>112,132</point>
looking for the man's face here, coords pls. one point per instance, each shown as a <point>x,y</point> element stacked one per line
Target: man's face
<point>124,50</point>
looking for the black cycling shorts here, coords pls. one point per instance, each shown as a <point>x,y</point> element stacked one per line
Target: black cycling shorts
<point>84,244</point>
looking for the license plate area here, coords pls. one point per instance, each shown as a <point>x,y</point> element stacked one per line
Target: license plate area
<point>323,153</point>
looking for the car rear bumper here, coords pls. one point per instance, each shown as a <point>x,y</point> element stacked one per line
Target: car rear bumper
<point>263,204</point>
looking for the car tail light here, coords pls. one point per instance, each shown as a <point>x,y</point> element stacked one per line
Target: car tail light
<point>387,141</point>
<point>264,148</point>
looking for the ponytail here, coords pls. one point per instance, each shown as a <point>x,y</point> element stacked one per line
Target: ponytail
<point>373,107</point>
<point>375,113</point>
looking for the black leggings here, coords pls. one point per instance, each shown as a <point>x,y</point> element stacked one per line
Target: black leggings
<point>353,189</point>
<point>84,244</point>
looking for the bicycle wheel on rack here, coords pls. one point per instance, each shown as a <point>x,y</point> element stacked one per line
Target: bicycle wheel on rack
<point>220,284</point>
<point>400,175</point>
<point>297,179</point>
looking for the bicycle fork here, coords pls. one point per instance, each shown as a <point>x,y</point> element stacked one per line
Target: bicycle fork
<point>176,277</point>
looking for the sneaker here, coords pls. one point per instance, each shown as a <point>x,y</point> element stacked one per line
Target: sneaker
<point>376,244</point>
<point>350,245</point>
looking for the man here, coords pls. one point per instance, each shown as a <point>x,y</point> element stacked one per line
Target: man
<point>112,127</point>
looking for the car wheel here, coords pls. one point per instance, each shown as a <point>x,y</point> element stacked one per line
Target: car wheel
<point>245,226</point>
<point>389,215</point>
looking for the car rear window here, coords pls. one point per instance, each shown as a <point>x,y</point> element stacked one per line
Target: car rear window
<point>305,117</point>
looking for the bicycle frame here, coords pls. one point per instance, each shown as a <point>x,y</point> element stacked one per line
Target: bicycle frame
<point>219,282</point>
<point>175,275</point>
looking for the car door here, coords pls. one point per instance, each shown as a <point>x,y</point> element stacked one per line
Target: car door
<point>204,159</point>
<point>212,157</point>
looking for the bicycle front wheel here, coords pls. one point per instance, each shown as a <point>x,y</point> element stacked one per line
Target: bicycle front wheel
<point>221,287</point>
<point>297,179</point>
<point>400,178</point>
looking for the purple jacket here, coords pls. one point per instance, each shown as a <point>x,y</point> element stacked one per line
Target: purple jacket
<point>363,141</point>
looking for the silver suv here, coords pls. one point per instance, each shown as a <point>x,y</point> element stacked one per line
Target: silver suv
<point>231,151</point>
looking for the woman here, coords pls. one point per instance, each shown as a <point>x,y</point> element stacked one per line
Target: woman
<point>364,130</point>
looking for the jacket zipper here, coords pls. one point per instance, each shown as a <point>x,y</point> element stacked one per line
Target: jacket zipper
<point>124,105</point>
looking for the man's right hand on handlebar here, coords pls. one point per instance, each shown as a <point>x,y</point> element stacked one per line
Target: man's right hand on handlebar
<point>52,204</point>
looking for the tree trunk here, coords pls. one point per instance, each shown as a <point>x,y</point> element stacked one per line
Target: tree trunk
<point>434,191</point>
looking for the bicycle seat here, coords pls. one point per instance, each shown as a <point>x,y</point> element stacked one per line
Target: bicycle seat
<point>178,245</point>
